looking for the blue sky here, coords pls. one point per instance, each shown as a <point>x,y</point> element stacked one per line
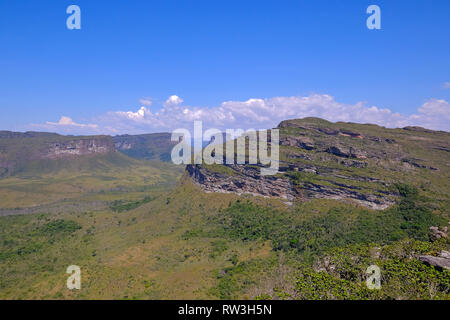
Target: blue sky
<point>318,57</point>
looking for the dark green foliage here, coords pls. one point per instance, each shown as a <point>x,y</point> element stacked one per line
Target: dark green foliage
<point>338,227</point>
<point>407,191</point>
<point>246,221</point>
<point>417,218</point>
<point>33,238</point>
<point>233,280</point>
<point>60,227</point>
<point>313,285</point>
<point>402,277</point>
<point>121,205</point>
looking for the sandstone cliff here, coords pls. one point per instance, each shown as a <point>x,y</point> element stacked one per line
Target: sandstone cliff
<point>341,161</point>
<point>18,150</point>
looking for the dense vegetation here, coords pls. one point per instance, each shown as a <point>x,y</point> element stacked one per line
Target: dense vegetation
<point>35,238</point>
<point>122,205</point>
<point>345,238</point>
<point>337,227</point>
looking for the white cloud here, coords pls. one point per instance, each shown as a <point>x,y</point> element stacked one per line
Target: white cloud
<point>139,115</point>
<point>263,113</point>
<point>433,114</point>
<point>173,101</point>
<point>66,121</point>
<point>146,102</point>
<point>66,125</point>
<point>446,85</point>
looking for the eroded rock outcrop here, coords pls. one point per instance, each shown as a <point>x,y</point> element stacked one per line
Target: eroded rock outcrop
<point>300,142</point>
<point>316,191</point>
<point>441,262</point>
<point>437,233</point>
<point>79,147</point>
<point>342,161</point>
<point>242,180</point>
<point>20,150</point>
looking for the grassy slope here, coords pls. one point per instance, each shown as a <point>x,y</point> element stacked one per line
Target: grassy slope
<point>85,179</point>
<point>184,244</point>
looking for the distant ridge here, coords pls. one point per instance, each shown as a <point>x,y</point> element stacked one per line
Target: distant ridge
<point>153,146</point>
<point>34,152</point>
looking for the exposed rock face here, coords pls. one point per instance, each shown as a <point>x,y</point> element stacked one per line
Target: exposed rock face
<point>441,262</point>
<point>79,147</point>
<point>354,164</point>
<point>315,191</point>
<point>123,145</point>
<point>342,161</point>
<point>244,181</point>
<point>247,180</point>
<point>301,142</point>
<point>18,150</point>
<point>437,233</point>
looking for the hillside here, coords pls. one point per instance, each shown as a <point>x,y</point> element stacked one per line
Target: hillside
<point>343,161</point>
<point>47,171</point>
<point>154,146</point>
<point>22,152</point>
<point>186,244</point>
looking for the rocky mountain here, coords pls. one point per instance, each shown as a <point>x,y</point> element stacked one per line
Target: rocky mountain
<point>341,161</point>
<point>18,150</point>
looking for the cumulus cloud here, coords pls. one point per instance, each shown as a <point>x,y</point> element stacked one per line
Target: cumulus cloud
<point>139,115</point>
<point>173,101</point>
<point>67,126</point>
<point>263,113</point>
<point>433,114</point>
<point>66,121</point>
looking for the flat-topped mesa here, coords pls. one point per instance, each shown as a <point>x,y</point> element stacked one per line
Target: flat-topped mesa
<point>19,150</point>
<point>79,147</point>
<point>341,161</point>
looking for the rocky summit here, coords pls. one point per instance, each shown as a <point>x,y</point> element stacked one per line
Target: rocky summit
<point>342,161</point>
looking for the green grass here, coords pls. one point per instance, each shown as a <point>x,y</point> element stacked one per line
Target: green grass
<point>186,244</point>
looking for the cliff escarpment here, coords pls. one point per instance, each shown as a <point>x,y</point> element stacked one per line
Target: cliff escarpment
<point>361,163</point>
<point>19,150</point>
